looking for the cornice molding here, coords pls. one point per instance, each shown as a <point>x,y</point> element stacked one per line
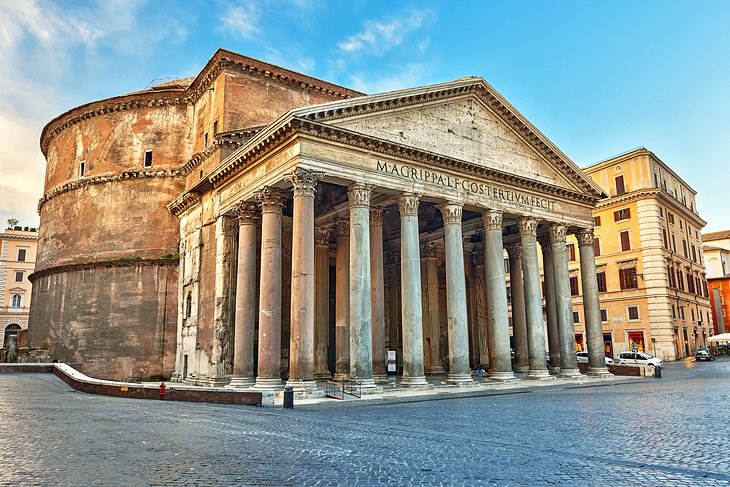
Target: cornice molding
<point>132,101</point>
<point>184,202</point>
<point>321,131</point>
<point>102,264</point>
<point>105,178</point>
<point>658,193</point>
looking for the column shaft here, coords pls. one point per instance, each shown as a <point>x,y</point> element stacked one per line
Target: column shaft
<point>431,309</point>
<point>533,300</point>
<point>480,293</point>
<point>563,303</point>
<point>552,317</point>
<point>301,349</point>
<point>361,332</point>
<point>322,301</point>
<point>246,306</point>
<point>226,231</point>
<point>591,305</point>
<point>377,295</point>
<point>342,305</point>
<point>519,318</point>
<point>500,360</point>
<point>413,373</point>
<point>269,357</point>
<point>459,370</point>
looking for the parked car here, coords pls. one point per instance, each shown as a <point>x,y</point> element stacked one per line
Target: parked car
<point>638,358</point>
<point>583,358</point>
<point>704,354</point>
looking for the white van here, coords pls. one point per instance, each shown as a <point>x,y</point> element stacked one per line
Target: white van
<point>638,358</point>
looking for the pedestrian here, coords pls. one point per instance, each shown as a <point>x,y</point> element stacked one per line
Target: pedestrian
<point>162,391</point>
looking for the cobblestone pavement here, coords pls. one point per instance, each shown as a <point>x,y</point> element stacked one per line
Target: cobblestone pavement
<point>672,431</point>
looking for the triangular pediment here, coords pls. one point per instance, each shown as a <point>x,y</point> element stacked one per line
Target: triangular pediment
<point>465,120</point>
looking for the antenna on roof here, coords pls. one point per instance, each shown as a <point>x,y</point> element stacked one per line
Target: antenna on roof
<point>158,81</point>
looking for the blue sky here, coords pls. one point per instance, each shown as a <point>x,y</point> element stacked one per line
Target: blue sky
<point>598,78</point>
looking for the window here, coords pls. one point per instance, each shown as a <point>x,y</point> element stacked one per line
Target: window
<point>506,266</point>
<point>670,273</point>
<point>601,278</point>
<point>215,127</point>
<point>604,315</point>
<point>661,212</point>
<point>664,237</point>
<point>622,214</point>
<point>627,278</point>
<point>15,301</point>
<point>681,312</point>
<point>205,141</point>
<point>18,276</point>
<point>694,253</point>
<point>10,330</point>
<point>571,252</point>
<point>656,180</point>
<point>670,216</point>
<point>625,242</point>
<point>620,188</point>
<point>148,158</point>
<point>576,317</point>
<point>684,248</point>
<point>509,294</point>
<point>690,282</point>
<point>573,285</point>
<point>674,312</point>
<point>22,254</point>
<point>597,221</point>
<point>680,224</point>
<point>674,244</point>
<point>633,312</point>
<point>680,280</point>
<point>692,311</point>
<point>188,305</point>
<point>596,247</point>
<point>82,169</point>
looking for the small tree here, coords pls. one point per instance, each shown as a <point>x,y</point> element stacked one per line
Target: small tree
<point>12,222</point>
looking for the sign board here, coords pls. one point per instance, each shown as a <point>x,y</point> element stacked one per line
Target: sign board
<point>392,364</point>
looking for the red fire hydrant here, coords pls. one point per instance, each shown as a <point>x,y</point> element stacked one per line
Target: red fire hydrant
<point>162,391</point>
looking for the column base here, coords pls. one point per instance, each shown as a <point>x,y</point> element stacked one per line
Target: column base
<point>570,373</point>
<point>502,376</point>
<point>367,386</point>
<point>305,387</point>
<point>323,375</point>
<point>414,383</point>
<point>554,369</point>
<point>539,374</point>
<point>598,373</point>
<point>522,368</point>
<point>218,381</point>
<point>380,379</point>
<point>176,377</point>
<point>269,384</point>
<point>461,380</point>
<point>241,382</point>
<point>340,377</point>
<point>436,370</point>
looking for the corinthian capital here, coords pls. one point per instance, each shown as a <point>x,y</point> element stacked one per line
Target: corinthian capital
<point>408,204</point>
<point>557,233</point>
<point>247,213</point>
<point>585,237</point>
<point>492,220</point>
<point>342,228</point>
<point>304,181</point>
<point>376,216</point>
<point>514,251</point>
<point>429,249</point>
<point>359,194</point>
<point>451,212</point>
<point>322,235</point>
<point>271,199</point>
<point>528,226</point>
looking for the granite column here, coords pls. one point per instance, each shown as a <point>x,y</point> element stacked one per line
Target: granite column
<point>519,319</point>
<point>563,302</point>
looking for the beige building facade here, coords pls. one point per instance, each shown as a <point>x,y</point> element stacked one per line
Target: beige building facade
<point>17,259</point>
<point>650,265</point>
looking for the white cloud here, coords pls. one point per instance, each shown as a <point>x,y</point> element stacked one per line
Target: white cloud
<point>242,20</point>
<point>380,36</point>
<point>411,75</point>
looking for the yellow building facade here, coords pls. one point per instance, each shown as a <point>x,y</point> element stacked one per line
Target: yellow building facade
<point>652,282</point>
<point>17,259</point>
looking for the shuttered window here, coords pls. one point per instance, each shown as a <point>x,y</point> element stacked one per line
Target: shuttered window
<point>620,188</point>
<point>625,242</point>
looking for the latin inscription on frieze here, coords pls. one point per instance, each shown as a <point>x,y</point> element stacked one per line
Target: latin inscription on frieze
<point>464,184</point>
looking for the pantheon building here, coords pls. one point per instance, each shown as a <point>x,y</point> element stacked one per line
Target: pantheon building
<point>256,227</point>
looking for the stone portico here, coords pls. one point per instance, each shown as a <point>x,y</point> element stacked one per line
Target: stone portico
<point>378,223</point>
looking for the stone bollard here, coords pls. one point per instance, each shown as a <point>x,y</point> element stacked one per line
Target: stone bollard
<point>288,397</point>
